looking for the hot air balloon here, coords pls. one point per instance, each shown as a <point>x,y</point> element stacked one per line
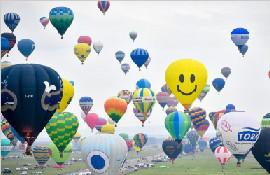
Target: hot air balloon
<point>44,21</point>
<point>26,47</point>
<point>203,127</point>
<point>140,140</point>
<point>86,104</point>
<point>139,57</point>
<point>125,68</point>
<point>91,120</point>
<point>261,149</point>
<point>109,129</point>
<point>11,20</point>
<point>129,144</point>
<point>110,121</point>
<point>103,6</point>
<point>123,135</point>
<point>11,38</point>
<point>186,78</point>
<point>77,137</point>
<point>193,137</point>
<point>211,115</point>
<point>188,148</point>
<point>120,56</point>
<point>56,154</point>
<point>226,71</point>
<point>214,143</point>
<point>68,93</point>
<point>98,46</point>
<point>177,124</point>
<point>5,147</point>
<point>61,128</point>
<point>162,99</point>
<point>144,100</point>
<point>218,84</point>
<point>202,144</point>
<point>204,92</point>
<point>5,46</point>
<point>100,123</point>
<point>147,62</point>
<point>115,108</point>
<point>240,36</point>
<point>85,39</point>
<point>83,115</point>
<point>61,18</point>
<point>223,155</point>
<point>143,83</point>
<point>219,114</point>
<point>6,129</point>
<point>197,116</point>
<point>165,88</point>
<point>37,105</point>
<point>243,49</point>
<point>82,50</point>
<point>21,139</point>
<point>170,110</point>
<point>172,148</point>
<point>126,95</point>
<point>266,121</point>
<point>5,64</point>
<point>172,102</point>
<point>104,153</point>
<point>133,35</point>
<point>41,154</point>
<point>140,116</point>
<point>238,132</point>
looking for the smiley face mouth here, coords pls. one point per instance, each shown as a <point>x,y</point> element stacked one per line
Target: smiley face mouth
<point>184,93</point>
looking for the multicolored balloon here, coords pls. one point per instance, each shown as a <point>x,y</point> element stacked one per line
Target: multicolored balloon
<point>193,137</point>
<point>129,144</point>
<point>86,104</point>
<point>6,147</point>
<point>172,148</point>
<point>186,78</point>
<point>103,6</point>
<point>82,50</point>
<point>6,129</point>
<point>91,120</point>
<point>165,88</point>
<point>177,124</point>
<point>11,38</point>
<point>203,127</point>
<point>98,46</point>
<point>143,83</point>
<point>139,57</point>
<point>61,18</point>
<point>77,137</point>
<point>170,110</point>
<point>44,21</point>
<point>214,143</point>
<point>266,121</point>
<point>219,114</point>
<point>12,20</point>
<point>239,36</point>
<point>100,123</point>
<point>41,154</point>
<point>218,84</point>
<point>172,102</point>
<point>223,155</point>
<point>140,116</point>
<point>197,116</point>
<point>5,46</point>
<point>202,144</point>
<point>126,95</point>
<point>133,35</point>
<point>140,140</point>
<point>61,128</point>
<point>120,56</point>
<point>147,62</point>
<point>115,108</point>
<point>162,99</point>
<point>26,47</point>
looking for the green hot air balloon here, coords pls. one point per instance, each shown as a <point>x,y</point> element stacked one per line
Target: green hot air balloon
<point>123,135</point>
<point>55,154</point>
<point>61,18</point>
<point>41,154</point>
<point>61,128</point>
<point>177,123</point>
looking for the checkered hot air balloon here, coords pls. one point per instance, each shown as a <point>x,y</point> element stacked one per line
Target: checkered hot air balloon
<point>140,140</point>
<point>126,95</point>
<point>197,116</point>
<point>223,155</point>
<point>203,127</point>
<point>61,128</point>
<point>41,154</point>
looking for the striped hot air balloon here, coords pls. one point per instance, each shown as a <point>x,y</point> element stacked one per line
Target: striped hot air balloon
<point>223,155</point>
<point>203,127</point>
<point>12,20</point>
<point>197,116</point>
<point>140,116</point>
<point>103,6</point>
<point>163,98</point>
<point>41,154</point>
<point>177,124</point>
<point>6,129</point>
<point>86,104</point>
<point>126,95</point>
<point>139,57</point>
<point>115,108</point>
<point>140,140</point>
<point>214,143</point>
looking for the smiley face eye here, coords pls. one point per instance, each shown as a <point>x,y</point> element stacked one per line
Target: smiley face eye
<point>181,78</point>
<point>192,78</point>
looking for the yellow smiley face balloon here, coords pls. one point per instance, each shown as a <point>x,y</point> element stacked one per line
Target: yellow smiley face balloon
<point>186,78</point>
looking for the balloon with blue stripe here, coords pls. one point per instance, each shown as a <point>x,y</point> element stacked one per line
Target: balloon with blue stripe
<point>143,83</point>
<point>120,56</point>
<point>139,57</point>
<point>12,20</point>
<point>240,36</point>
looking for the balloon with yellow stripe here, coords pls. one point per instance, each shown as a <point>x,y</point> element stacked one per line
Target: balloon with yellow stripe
<point>61,128</point>
<point>68,93</point>
<point>144,100</point>
<point>136,148</point>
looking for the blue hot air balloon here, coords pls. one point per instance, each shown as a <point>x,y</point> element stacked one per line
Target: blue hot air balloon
<point>139,57</point>
<point>120,56</point>
<point>4,44</point>
<point>214,143</point>
<point>30,94</point>
<point>243,49</point>
<point>218,84</point>
<point>21,139</point>
<point>143,83</point>
<point>26,47</point>
<point>5,147</point>
<point>240,36</point>
<point>202,144</point>
<point>11,20</point>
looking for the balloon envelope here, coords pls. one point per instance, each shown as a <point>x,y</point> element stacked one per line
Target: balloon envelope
<point>12,20</point>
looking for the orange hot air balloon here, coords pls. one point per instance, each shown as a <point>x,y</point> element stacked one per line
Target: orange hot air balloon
<point>115,108</point>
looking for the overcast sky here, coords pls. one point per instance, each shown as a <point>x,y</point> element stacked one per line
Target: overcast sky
<point>168,31</point>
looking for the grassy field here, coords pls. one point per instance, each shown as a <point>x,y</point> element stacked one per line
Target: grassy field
<point>204,164</point>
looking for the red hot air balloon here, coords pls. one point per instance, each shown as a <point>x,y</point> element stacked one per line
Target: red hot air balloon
<point>223,155</point>
<point>91,120</point>
<point>85,39</point>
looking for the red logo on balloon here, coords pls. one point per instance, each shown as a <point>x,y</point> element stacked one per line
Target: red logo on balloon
<point>226,126</point>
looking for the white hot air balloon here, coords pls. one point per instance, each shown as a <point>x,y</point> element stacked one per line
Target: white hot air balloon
<point>104,153</point>
<point>83,115</point>
<point>238,131</point>
<point>97,46</point>
<point>147,62</point>
<point>223,155</point>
